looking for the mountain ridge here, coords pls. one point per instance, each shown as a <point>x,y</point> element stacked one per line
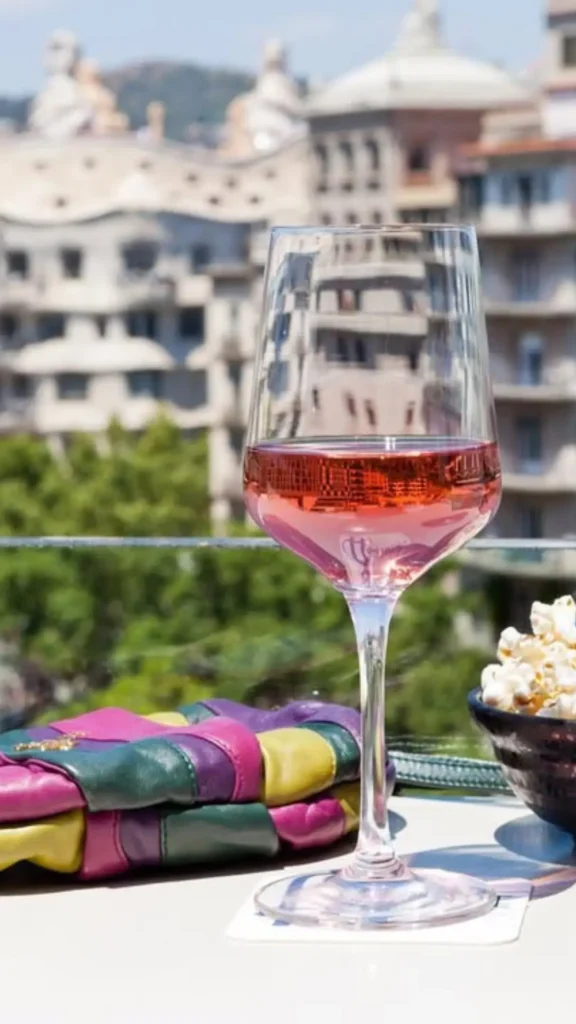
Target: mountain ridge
<point>193,94</point>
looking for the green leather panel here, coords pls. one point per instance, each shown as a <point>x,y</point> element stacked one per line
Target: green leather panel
<point>127,776</point>
<point>9,740</point>
<point>196,712</point>
<point>217,833</point>
<point>344,746</point>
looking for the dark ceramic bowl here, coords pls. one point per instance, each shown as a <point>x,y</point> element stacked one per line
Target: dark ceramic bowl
<point>538,759</point>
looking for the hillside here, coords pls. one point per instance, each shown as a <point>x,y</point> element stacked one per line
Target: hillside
<point>190,93</point>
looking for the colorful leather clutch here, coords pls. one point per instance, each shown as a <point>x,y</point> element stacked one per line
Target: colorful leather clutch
<point>111,791</point>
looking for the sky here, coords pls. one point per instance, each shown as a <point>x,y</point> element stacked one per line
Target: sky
<point>325,37</point>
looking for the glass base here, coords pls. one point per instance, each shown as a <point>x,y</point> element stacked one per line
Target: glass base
<point>420,899</point>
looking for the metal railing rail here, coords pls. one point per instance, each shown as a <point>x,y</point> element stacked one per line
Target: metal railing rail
<point>414,769</point>
<point>483,544</point>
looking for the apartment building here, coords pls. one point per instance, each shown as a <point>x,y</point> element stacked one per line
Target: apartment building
<point>384,136</point>
<point>131,267</point>
<point>518,185</point>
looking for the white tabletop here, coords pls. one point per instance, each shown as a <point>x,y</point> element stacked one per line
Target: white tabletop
<point>157,950</point>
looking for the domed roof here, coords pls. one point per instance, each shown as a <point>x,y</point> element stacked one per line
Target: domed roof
<point>420,72</point>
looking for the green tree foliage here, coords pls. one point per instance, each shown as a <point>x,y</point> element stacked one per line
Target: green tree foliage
<point>152,629</point>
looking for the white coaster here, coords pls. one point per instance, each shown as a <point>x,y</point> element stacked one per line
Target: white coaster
<point>501,925</point>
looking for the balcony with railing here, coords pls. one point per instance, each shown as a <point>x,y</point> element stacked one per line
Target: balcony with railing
<point>138,289</point>
<point>528,378</point>
<point>19,293</point>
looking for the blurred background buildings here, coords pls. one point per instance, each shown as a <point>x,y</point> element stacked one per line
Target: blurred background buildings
<point>131,264</point>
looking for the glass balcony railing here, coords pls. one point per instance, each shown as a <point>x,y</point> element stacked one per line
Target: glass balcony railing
<point>153,623</point>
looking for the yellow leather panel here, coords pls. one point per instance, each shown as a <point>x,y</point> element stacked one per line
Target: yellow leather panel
<point>168,718</point>
<point>54,843</point>
<point>348,796</point>
<point>298,763</point>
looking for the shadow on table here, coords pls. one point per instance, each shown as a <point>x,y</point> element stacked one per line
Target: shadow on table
<point>525,848</point>
<point>30,880</point>
<point>550,850</point>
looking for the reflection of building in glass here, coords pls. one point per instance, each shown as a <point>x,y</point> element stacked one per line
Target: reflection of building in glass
<point>380,336</point>
<point>369,324</point>
<point>518,186</point>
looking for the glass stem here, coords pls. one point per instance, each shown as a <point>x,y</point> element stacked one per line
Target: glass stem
<point>374,859</point>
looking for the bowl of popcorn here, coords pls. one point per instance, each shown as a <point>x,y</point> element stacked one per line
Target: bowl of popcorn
<point>526,704</point>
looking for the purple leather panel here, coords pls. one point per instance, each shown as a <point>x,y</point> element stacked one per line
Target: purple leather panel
<point>140,836</point>
<point>243,749</point>
<point>32,790</point>
<point>215,772</point>
<point>260,720</point>
<point>317,823</point>
<point>103,853</point>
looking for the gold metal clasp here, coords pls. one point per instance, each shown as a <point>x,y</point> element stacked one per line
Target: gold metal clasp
<point>65,742</point>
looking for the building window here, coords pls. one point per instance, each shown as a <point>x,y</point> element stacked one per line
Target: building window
<point>51,325</point>
<point>349,300</point>
<point>569,51</point>
<point>360,353</point>
<point>370,414</point>
<point>341,350</point>
<point>71,261</point>
<point>17,264</point>
<point>408,301</point>
<point>315,399</point>
<point>322,158</point>
<point>507,190</point>
<point>409,419</point>
<point>191,322</point>
<point>350,404</point>
<point>197,388</point>
<point>72,386</point>
<point>278,377</point>
<point>21,387</point>
<point>101,325</point>
<point>234,371</point>
<point>8,326</point>
<point>141,323</point>
<point>139,258</point>
<point>145,383</point>
<point>472,194</point>
<point>529,444</point>
<point>441,288</point>
<point>530,359</point>
<point>418,160</point>
<point>544,186</point>
<point>236,435</point>
<point>347,155</point>
<point>373,154</point>
<point>326,219</point>
<point>200,256</point>
<point>531,522</point>
<point>525,184</point>
<point>413,360</point>
<point>526,278</point>
<point>351,219</point>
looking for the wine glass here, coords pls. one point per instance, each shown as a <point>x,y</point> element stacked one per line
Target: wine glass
<point>372,453</point>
